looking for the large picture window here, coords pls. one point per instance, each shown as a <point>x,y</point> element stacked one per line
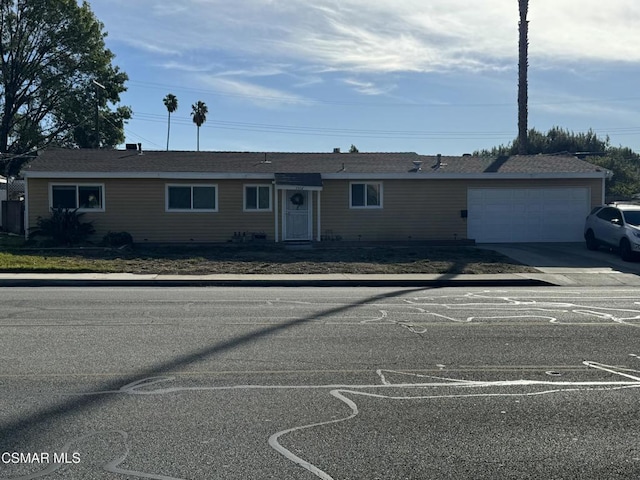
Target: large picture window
<point>196,198</point>
<point>83,197</point>
<point>366,195</point>
<point>257,198</point>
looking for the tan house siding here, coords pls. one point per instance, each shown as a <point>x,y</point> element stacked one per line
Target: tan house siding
<point>412,209</point>
<point>38,200</point>
<point>137,206</point>
<point>419,209</point>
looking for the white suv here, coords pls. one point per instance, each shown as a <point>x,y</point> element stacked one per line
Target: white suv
<point>616,226</point>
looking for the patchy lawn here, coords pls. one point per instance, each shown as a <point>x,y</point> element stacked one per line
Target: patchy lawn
<point>263,259</point>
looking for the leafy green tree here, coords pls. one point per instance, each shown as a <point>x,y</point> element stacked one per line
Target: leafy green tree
<point>171,102</point>
<point>625,165</point>
<point>51,52</point>
<point>353,149</point>
<point>556,140</point>
<point>199,113</point>
<point>622,161</point>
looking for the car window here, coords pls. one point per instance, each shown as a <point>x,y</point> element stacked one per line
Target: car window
<point>608,213</point>
<point>632,217</point>
<point>617,215</point>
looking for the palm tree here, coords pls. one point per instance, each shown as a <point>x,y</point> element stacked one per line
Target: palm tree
<point>199,113</point>
<point>171,102</point>
<point>523,64</point>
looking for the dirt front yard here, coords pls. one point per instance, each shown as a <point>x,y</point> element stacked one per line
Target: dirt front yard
<point>263,259</point>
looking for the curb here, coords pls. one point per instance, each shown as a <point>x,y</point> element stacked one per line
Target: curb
<point>437,283</point>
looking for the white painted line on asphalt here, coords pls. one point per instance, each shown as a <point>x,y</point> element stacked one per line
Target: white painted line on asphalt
<point>340,392</point>
<point>340,395</point>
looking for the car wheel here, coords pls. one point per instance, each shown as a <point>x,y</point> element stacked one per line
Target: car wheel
<point>625,250</point>
<point>592,243</point>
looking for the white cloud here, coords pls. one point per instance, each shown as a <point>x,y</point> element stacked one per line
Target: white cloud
<point>187,67</point>
<point>574,31</point>
<point>257,71</point>
<point>368,88</point>
<point>264,96</point>
<point>380,36</point>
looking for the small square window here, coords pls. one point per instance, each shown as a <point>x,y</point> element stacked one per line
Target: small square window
<point>366,195</point>
<point>257,197</point>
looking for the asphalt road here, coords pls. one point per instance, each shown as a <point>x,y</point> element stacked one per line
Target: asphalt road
<point>330,383</point>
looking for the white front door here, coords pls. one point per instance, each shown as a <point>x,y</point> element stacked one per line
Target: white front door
<point>296,222</point>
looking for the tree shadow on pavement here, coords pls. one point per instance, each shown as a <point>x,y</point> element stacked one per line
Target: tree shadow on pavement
<point>15,431</point>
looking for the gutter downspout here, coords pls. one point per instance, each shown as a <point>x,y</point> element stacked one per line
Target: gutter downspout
<point>318,232</point>
<point>275,211</point>
<point>26,206</point>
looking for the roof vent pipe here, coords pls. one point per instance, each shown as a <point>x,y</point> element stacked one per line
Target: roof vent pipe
<point>438,162</point>
<point>139,149</point>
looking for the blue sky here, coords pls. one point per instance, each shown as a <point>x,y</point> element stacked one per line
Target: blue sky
<point>437,76</point>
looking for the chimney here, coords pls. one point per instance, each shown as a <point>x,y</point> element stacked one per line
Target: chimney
<point>336,150</point>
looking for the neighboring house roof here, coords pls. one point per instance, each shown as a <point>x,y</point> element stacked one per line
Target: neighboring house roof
<point>130,163</point>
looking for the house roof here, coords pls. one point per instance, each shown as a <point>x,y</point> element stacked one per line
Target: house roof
<point>123,163</point>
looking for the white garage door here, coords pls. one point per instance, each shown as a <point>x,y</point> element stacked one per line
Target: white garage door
<point>527,214</point>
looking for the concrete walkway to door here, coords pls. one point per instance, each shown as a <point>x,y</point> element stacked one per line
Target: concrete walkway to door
<point>572,263</point>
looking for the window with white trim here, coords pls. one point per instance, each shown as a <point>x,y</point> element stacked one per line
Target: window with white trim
<point>365,195</point>
<point>192,198</point>
<point>257,198</point>
<point>84,197</point>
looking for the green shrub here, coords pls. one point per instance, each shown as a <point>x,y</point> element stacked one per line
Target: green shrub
<point>117,239</point>
<point>64,227</point>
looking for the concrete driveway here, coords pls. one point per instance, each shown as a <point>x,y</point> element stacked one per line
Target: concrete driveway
<point>573,261</point>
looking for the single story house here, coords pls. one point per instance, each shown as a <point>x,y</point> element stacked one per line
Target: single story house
<point>203,197</point>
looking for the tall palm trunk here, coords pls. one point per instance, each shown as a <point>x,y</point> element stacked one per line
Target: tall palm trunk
<point>199,113</point>
<point>523,65</point>
<point>168,130</point>
<point>171,102</point>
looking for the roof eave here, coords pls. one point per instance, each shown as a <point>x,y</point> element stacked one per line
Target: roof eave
<point>326,176</point>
